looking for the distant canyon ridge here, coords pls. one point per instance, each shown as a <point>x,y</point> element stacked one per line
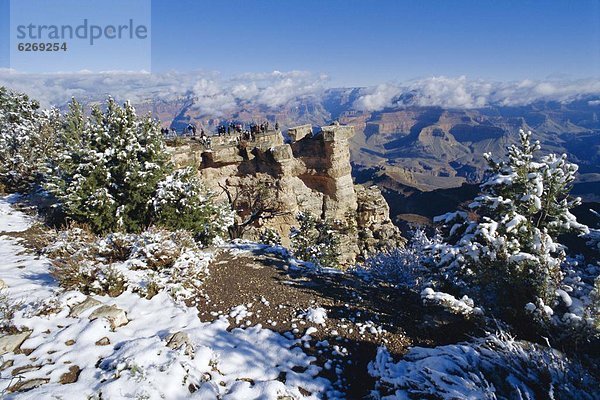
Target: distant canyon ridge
<point>420,156</point>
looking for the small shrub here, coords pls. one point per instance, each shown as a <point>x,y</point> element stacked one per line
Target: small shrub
<point>7,312</point>
<point>158,249</point>
<point>88,276</point>
<point>152,289</point>
<point>75,239</point>
<point>116,247</point>
<point>76,273</point>
<point>270,237</point>
<point>404,266</point>
<point>111,281</point>
<point>157,259</point>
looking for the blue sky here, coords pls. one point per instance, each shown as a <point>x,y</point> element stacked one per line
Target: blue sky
<point>360,42</point>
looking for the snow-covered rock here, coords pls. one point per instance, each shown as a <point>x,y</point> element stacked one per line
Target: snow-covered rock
<point>180,340</point>
<point>22,386</point>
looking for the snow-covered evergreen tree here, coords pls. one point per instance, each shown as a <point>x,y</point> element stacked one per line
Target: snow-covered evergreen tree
<point>27,137</point>
<point>504,251</point>
<point>316,240</point>
<point>182,202</point>
<point>108,167</point>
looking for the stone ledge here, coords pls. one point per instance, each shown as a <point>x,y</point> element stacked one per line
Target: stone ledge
<point>337,132</point>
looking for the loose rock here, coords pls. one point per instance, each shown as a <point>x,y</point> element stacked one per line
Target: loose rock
<point>180,340</point>
<point>25,368</point>
<point>113,314</point>
<point>28,384</point>
<point>71,376</point>
<point>82,307</point>
<point>10,343</point>
<point>7,364</point>
<point>103,341</point>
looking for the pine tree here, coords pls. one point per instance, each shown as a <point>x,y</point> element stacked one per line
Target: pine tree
<point>27,137</point>
<point>108,168</point>
<point>316,240</point>
<point>504,251</point>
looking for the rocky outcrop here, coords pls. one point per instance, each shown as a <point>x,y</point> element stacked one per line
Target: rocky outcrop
<point>310,172</point>
<point>373,215</point>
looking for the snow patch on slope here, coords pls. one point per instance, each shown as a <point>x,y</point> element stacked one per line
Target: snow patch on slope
<point>134,361</point>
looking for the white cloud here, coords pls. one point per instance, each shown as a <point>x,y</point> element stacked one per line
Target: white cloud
<point>464,93</point>
<point>271,89</point>
<point>211,93</point>
<point>57,89</point>
<point>377,97</point>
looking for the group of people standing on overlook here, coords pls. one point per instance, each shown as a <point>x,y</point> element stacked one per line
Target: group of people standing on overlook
<point>241,131</point>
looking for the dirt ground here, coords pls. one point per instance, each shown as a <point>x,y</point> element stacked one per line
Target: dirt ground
<point>361,315</point>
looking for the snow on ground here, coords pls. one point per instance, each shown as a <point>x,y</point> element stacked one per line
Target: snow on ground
<point>25,275</point>
<point>11,221</point>
<point>493,367</point>
<point>140,359</point>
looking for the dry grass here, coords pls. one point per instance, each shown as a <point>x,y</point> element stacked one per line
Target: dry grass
<point>89,277</point>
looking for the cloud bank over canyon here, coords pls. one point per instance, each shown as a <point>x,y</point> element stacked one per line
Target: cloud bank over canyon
<point>212,94</point>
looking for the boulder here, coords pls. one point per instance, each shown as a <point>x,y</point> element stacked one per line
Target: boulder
<point>376,231</point>
<point>283,152</point>
<point>113,314</point>
<point>180,340</point>
<point>299,132</point>
<point>10,343</point>
<point>71,376</point>
<point>24,369</point>
<point>7,364</point>
<point>82,307</point>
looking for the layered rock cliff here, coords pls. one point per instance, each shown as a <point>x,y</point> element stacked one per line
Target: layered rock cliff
<point>310,173</point>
